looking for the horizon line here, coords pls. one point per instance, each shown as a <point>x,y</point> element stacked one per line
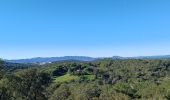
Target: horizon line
<point>88,56</point>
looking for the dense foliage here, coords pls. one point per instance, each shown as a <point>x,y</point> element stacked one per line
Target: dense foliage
<point>130,79</point>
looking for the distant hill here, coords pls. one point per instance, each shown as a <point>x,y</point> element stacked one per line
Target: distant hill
<point>80,58</point>
<point>52,59</point>
<point>149,57</point>
<point>8,66</point>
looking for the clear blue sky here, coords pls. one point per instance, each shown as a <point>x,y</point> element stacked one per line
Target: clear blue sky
<point>45,28</point>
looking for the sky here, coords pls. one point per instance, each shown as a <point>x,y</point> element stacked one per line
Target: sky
<point>96,28</point>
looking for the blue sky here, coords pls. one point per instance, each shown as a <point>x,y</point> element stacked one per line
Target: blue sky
<point>97,28</point>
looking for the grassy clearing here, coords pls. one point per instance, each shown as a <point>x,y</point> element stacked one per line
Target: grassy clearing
<point>90,77</point>
<point>66,78</point>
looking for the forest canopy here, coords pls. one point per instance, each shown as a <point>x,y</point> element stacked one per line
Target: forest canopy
<point>107,79</point>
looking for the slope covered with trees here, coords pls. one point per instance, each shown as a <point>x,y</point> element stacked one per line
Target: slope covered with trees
<point>107,79</point>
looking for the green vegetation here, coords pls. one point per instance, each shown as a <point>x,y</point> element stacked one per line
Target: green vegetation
<point>66,78</point>
<point>131,79</point>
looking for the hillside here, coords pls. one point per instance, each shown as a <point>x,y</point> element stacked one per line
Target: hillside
<point>105,79</point>
<point>80,58</point>
<point>52,59</point>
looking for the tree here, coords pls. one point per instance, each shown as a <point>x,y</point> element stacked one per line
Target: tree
<point>29,84</point>
<point>62,93</point>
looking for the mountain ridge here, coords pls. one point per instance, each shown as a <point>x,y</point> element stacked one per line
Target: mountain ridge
<point>80,58</point>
